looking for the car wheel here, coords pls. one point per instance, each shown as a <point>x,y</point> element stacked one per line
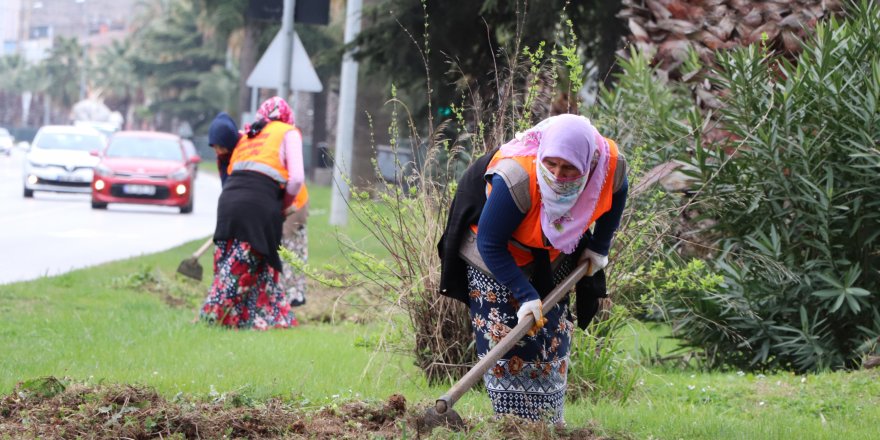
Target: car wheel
<point>28,193</point>
<point>99,205</point>
<point>188,208</point>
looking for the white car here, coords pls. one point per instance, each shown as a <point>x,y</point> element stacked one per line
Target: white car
<point>62,158</point>
<point>6,141</point>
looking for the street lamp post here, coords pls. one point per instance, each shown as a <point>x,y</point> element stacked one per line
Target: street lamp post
<point>47,103</point>
<point>345,122</point>
<point>287,58</point>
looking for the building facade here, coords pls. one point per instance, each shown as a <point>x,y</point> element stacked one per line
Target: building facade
<point>28,26</point>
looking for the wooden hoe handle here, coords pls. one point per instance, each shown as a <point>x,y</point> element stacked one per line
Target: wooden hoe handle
<point>203,248</point>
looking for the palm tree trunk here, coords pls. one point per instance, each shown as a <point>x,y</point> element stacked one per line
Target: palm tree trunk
<point>247,60</point>
<point>610,36</point>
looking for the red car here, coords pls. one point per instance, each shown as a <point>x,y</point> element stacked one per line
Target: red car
<point>145,168</point>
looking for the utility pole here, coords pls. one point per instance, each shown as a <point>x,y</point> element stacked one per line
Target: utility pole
<point>287,60</point>
<point>24,31</point>
<point>345,125</point>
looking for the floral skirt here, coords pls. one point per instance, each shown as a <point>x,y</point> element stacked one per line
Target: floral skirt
<point>246,292</point>
<point>530,380</point>
<point>294,280</point>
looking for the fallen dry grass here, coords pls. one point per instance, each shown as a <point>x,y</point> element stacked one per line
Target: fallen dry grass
<point>50,408</point>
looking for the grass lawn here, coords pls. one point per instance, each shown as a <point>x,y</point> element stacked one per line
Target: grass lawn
<point>129,322</point>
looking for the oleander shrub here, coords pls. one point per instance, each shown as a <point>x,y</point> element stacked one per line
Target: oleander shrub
<point>794,199</point>
<point>649,118</point>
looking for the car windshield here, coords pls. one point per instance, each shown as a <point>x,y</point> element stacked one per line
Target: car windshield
<point>104,128</point>
<point>144,148</point>
<point>69,141</point>
<point>105,131</point>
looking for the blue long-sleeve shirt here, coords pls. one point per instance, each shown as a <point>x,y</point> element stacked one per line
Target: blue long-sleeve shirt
<point>501,217</point>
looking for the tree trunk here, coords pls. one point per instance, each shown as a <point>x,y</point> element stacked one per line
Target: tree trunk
<point>611,34</point>
<point>319,126</point>
<point>247,60</point>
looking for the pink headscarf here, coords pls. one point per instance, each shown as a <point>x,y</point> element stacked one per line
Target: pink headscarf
<point>272,109</point>
<point>276,109</point>
<point>574,139</point>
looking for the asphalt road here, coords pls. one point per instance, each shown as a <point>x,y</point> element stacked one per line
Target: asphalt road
<point>53,233</point>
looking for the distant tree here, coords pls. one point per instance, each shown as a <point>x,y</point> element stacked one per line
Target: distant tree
<point>11,68</point>
<point>248,38</point>
<point>63,70</point>
<point>16,78</point>
<point>116,80</point>
<point>467,45</point>
<point>183,65</point>
<point>242,34</point>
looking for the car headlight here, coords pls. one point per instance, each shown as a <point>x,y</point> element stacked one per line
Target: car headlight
<point>180,174</point>
<point>37,164</point>
<point>103,170</point>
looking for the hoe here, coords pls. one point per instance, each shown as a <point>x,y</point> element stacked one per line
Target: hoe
<point>442,413</point>
<point>190,267</point>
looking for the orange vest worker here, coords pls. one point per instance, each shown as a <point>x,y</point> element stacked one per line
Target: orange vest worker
<point>261,153</point>
<point>529,232</point>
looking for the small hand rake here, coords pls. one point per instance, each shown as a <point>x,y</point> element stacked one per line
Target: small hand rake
<point>190,267</point>
<point>442,413</point>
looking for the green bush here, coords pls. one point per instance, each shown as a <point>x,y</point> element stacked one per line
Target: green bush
<point>649,118</point>
<point>794,197</point>
<point>645,114</point>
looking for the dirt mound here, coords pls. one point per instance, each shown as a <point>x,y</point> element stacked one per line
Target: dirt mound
<point>51,408</point>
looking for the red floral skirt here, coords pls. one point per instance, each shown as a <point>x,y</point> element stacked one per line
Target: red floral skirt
<point>246,292</point>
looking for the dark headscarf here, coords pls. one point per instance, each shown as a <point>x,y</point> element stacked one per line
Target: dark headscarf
<point>223,131</point>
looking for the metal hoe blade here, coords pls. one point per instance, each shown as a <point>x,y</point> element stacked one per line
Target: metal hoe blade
<point>435,419</point>
<point>190,267</point>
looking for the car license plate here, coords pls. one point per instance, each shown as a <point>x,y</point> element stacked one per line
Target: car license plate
<point>139,190</point>
<point>69,178</point>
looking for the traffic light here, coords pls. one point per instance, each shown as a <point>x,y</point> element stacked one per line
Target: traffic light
<point>444,112</point>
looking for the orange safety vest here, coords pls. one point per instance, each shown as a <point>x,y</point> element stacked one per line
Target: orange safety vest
<point>529,233</point>
<point>302,197</point>
<point>261,152</point>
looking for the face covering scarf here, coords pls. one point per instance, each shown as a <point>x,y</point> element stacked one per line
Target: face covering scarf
<point>565,213</point>
<point>562,195</point>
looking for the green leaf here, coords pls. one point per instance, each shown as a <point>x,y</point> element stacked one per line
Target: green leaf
<point>830,280</point>
<point>856,291</point>
<point>828,293</point>
<point>853,303</point>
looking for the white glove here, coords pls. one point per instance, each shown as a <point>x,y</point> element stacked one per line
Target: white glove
<point>532,307</point>
<point>597,261</point>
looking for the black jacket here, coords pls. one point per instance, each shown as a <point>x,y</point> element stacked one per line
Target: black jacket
<point>465,210</point>
<point>249,210</point>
